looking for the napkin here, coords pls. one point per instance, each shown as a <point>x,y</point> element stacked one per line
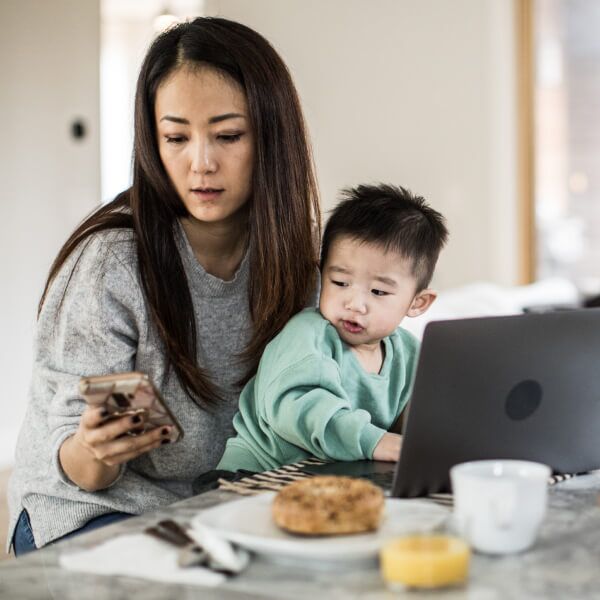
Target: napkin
<point>139,555</point>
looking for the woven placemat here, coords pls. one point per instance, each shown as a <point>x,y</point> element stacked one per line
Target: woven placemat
<point>276,479</point>
<point>270,481</point>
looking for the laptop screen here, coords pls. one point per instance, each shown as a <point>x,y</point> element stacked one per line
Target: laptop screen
<point>520,387</point>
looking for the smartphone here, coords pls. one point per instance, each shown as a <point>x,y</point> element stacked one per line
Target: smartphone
<point>130,394</point>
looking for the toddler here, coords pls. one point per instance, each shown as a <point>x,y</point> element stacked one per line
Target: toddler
<point>334,380</point>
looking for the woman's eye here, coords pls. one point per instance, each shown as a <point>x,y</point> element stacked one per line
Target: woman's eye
<point>339,283</point>
<point>174,139</point>
<point>379,293</point>
<point>229,138</point>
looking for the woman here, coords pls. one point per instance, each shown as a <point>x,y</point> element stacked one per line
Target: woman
<point>185,276</point>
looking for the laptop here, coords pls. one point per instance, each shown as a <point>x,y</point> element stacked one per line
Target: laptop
<point>521,387</point>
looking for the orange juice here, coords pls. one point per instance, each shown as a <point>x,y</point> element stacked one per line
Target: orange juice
<point>425,561</point>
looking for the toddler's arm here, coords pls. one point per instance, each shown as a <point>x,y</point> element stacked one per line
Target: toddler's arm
<point>308,407</point>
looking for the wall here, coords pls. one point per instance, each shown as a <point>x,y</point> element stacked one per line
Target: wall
<point>419,93</point>
<point>49,56</point>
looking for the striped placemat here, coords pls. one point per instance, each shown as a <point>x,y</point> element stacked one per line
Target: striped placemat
<point>269,481</point>
<point>276,479</point>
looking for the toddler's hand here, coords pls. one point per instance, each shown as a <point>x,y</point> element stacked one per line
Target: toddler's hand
<point>388,448</point>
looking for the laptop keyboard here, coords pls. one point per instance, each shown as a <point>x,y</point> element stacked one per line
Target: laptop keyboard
<point>383,480</point>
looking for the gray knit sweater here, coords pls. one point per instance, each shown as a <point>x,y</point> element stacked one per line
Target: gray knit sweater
<point>103,326</point>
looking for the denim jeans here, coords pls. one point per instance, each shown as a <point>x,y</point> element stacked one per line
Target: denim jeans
<point>23,541</point>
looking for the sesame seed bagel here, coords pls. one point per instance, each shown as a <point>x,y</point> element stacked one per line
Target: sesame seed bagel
<point>329,505</point>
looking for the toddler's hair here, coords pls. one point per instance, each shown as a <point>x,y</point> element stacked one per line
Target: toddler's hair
<point>393,218</point>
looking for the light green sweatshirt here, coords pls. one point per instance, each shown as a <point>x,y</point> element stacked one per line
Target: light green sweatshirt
<point>311,397</point>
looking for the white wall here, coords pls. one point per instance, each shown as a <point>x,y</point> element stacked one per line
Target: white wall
<point>50,75</point>
<point>415,92</point>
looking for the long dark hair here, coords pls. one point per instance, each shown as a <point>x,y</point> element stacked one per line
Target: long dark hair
<point>284,214</point>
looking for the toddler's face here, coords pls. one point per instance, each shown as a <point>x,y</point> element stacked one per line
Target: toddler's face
<point>365,292</point>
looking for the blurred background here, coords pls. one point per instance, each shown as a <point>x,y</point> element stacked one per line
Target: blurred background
<point>488,108</point>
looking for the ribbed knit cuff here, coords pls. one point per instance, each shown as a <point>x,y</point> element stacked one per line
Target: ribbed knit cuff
<point>369,438</point>
<point>58,467</point>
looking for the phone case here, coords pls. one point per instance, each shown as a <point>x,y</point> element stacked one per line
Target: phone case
<point>128,394</point>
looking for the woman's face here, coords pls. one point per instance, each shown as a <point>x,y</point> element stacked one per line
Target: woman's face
<point>205,142</point>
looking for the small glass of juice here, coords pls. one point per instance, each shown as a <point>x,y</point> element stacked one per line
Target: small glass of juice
<point>425,561</point>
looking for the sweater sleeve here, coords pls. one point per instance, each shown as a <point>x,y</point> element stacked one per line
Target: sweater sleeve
<point>89,325</point>
<point>307,406</point>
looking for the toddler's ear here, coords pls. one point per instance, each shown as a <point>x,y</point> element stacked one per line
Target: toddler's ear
<point>421,302</point>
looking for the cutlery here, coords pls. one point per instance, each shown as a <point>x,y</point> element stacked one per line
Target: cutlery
<point>220,558</point>
<point>190,552</point>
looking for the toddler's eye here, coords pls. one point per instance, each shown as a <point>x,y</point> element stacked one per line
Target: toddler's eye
<point>379,293</point>
<point>339,283</point>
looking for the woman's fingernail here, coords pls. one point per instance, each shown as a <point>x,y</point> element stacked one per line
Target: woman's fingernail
<point>136,419</point>
<point>164,431</point>
<point>163,442</point>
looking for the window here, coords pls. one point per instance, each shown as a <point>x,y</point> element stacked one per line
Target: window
<point>567,141</point>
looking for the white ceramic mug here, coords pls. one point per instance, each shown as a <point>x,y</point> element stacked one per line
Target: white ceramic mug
<point>499,505</point>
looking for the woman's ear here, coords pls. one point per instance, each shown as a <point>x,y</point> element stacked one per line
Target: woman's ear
<point>421,302</point>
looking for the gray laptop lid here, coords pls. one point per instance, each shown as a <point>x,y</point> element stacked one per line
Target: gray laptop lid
<point>523,387</point>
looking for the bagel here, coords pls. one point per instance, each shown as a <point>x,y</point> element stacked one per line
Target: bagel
<point>329,505</point>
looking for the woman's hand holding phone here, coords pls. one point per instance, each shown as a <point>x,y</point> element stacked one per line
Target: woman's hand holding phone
<point>108,441</point>
<point>91,458</point>
<point>125,418</point>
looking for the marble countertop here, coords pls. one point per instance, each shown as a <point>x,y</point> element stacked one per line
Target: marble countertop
<point>564,563</point>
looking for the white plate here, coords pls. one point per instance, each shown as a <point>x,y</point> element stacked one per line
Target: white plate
<point>249,524</point>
